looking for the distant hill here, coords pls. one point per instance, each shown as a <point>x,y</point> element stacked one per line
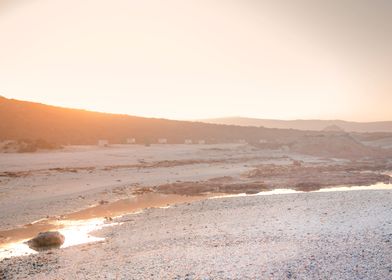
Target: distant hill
<point>28,120</point>
<point>316,125</point>
<point>38,124</point>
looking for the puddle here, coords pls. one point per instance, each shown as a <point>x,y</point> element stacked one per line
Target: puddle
<point>75,232</point>
<point>76,227</point>
<point>272,192</point>
<point>379,186</point>
<point>131,205</point>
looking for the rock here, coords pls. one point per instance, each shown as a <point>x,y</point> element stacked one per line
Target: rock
<point>46,240</point>
<point>297,163</point>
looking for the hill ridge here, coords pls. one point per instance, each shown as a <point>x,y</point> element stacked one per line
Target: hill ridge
<point>304,124</point>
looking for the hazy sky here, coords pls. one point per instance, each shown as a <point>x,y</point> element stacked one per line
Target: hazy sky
<point>186,59</point>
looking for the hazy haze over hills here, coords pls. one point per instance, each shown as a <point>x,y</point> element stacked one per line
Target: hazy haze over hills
<point>280,59</point>
<point>306,124</point>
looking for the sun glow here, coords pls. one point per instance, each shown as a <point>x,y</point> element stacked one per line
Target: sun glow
<point>189,60</point>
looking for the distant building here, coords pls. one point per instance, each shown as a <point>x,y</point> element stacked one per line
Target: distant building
<point>162,141</point>
<point>188,141</point>
<point>202,142</point>
<point>131,140</point>
<point>103,143</point>
<point>262,141</point>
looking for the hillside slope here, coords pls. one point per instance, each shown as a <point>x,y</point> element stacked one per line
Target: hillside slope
<point>316,125</point>
<point>28,120</point>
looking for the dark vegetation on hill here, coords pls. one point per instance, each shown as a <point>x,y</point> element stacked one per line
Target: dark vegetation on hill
<point>27,146</point>
<point>28,120</point>
<point>48,127</point>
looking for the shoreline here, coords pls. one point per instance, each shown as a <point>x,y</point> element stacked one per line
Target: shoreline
<point>269,243</point>
<point>101,215</point>
<point>251,235</point>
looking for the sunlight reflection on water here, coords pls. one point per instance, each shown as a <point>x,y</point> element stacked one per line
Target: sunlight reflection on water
<point>379,186</point>
<point>75,233</point>
<point>78,232</point>
<point>272,192</point>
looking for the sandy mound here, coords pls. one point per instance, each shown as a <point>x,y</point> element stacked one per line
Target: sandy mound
<point>338,146</point>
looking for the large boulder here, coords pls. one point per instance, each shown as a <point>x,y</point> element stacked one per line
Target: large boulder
<point>46,240</point>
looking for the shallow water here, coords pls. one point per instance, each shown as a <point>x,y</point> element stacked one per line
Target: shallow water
<point>378,186</point>
<point>75,232</point>
<point>272,192</point>
<point>77,226</point>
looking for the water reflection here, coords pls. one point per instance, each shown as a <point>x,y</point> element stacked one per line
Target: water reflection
<point>78,232</point>
<point>272,192</point>
<point>77,227</point>
<point>379,186</point>
<point>75,233</point>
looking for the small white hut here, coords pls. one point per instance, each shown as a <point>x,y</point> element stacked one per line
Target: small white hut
<point>162,141</point>
<point>103,143</point>
<point>131,140</point>
<point>242,141</point>
<point>188,141</point>
<point>202,142</point>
